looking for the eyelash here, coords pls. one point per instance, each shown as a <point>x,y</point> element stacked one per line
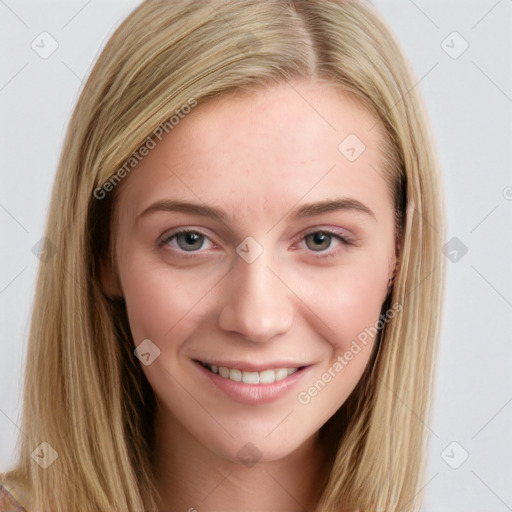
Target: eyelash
<point>346,241</point>
<point>334,234</point>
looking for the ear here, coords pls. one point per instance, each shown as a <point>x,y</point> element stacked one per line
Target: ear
<point>394,261</point>
<point>109,279</point>
<point>393,268</point>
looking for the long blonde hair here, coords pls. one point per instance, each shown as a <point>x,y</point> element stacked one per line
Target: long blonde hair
<point>84,389</point>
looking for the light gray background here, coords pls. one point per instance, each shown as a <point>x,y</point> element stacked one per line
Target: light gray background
<point>469,99</point>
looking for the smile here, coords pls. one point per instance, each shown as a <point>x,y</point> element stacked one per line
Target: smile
<point>251,384</point>
<point>263,377</point>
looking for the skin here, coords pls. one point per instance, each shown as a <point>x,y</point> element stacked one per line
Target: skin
<point>256,156</point>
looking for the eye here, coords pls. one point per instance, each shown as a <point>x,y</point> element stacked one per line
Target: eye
<point>321,240</point>
<point>186,240</point>
<point>318,241</point>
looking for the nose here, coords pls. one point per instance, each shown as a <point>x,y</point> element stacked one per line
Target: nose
<point>258,304</point>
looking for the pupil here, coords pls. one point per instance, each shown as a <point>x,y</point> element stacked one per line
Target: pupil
<point>321,240</point>
<point>191,241</point>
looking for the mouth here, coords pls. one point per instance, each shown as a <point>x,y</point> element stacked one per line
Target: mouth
<point>265,376</point>
<point>251,384</point>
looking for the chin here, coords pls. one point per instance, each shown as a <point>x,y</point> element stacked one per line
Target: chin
<point>250,449</point>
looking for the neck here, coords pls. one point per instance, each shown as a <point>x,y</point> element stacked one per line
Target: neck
<point>190,477</point>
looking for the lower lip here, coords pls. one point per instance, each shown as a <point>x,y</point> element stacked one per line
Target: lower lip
<point>254,394</point>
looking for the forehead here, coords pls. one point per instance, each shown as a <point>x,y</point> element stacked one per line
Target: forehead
<point>262,151</point>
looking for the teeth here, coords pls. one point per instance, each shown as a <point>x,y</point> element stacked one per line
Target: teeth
<point>263,377</point>
<point>250,377</point>
<point>281,374</point>
<point>267,377</point>
<point>235,375</point>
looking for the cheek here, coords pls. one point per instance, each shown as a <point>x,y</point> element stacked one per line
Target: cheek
<point>160,301</point>
<point>345,304</point>
<point>347,315</point>
<point>346,300</point>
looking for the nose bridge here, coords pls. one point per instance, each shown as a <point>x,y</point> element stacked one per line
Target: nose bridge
<point>258,305</point>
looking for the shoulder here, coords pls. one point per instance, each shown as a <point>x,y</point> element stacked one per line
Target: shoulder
<point>9,500</point>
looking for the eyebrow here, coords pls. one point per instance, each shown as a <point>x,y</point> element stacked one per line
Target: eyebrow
<point>303,211</point>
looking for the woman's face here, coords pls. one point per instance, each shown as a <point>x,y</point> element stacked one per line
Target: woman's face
<point>281,277</point>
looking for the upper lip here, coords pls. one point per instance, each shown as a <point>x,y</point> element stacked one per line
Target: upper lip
<point>254,367</point>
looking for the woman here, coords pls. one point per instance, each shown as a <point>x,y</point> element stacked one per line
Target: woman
<point>246,227</point>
